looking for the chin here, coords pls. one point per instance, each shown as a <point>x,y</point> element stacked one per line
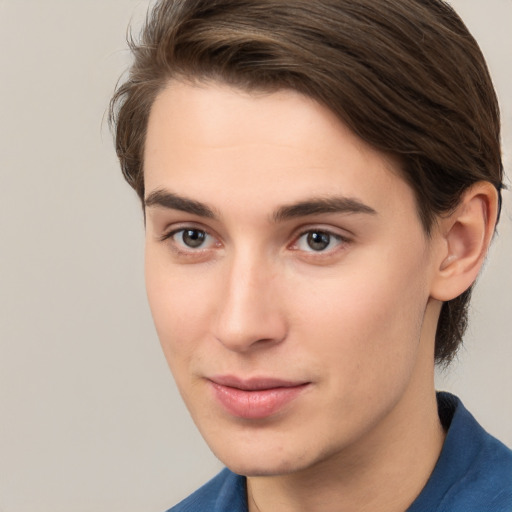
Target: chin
<point>250,469</point>
<point>263,461</point>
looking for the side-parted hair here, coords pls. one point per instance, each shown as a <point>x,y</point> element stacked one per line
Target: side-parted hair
<point>404,75</point>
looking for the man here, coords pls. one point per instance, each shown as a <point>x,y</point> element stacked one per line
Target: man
<point>321,182</point>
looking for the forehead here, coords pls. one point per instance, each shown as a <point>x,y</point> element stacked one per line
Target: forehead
<point>213,142</point>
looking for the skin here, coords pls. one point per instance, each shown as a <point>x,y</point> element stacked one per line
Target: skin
<point>354,318</point>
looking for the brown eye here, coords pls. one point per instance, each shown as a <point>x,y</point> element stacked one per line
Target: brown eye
<point>193,238</point>
<point>318,240</point>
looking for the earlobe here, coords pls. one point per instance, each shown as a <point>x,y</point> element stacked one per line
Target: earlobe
<point>465,235</point>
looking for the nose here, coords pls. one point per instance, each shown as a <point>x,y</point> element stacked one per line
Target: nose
<point>250,313</point>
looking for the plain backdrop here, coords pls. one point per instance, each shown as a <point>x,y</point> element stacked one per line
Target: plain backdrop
<point>89,416</point>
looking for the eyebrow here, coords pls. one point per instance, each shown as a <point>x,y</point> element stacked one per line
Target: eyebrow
<point>314,206</point>
<point>165,199</point>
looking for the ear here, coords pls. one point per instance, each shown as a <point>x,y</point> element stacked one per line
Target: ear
<point>464,237</point>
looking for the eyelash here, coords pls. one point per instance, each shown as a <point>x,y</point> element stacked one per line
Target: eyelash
<point>190,250</point>
<point>182,249</point>
<point>336,237</point>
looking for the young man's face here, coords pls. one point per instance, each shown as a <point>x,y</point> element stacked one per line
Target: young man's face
<point>288,275</point>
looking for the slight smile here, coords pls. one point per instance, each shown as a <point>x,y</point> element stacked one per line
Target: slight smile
<point>255,398</point>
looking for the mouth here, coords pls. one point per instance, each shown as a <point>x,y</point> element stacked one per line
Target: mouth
<point>255,398</point>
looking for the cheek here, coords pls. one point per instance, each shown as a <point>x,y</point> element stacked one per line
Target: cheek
<point>360,334</point>
<point>366,317</point>
<point>179,302</point>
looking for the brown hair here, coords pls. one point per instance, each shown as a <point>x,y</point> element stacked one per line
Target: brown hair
<point>405,75</point>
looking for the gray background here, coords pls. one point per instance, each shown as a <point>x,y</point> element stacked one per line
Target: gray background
<point>89,417</point>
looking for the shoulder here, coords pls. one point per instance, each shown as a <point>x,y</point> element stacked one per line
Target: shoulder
<point>223,493</point>
<point>487,481</point>
<point>474,470</point>
<point>487,484</point>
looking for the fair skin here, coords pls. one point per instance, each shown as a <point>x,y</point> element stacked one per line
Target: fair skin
<point>296,295</point>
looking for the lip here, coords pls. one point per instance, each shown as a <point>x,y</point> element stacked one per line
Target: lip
<point>254,398</point>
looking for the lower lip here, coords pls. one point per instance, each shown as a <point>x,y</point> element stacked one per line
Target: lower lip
<point>255,404</point>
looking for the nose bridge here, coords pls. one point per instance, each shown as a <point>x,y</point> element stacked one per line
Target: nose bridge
<point>249,312</point>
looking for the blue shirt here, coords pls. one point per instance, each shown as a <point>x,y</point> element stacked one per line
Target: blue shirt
<point>473,473</point>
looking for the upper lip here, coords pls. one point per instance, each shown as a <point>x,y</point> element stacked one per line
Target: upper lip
<point>254,383</point>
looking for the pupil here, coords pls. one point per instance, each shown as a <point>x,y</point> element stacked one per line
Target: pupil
<point>193,237</point>
<point>318,241</point>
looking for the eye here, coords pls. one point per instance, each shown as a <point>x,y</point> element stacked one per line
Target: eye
<point>318,241</point>
<point>191,238</point>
